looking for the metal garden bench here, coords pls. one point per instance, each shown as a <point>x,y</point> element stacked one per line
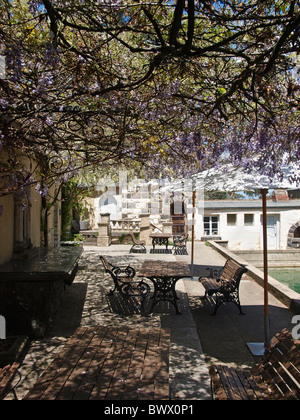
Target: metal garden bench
<point>125,284</point>
<point>179,244</point>
<point>225,287</point>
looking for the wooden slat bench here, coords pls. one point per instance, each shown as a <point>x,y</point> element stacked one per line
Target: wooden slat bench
<point>125,283</point>
<point>7,375</point>
<point>105,363</point>
<point>137,246</point>
<point>276,377</point>
<point>226,286</point>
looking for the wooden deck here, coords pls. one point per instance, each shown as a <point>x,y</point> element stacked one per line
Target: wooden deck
<point>105,363</point>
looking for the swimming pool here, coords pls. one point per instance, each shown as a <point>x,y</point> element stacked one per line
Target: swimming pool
<point>288,276</point>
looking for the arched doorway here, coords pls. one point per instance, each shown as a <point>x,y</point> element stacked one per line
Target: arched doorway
<point>297,232</point>
<point>294,236</point>
<point>107,204</point>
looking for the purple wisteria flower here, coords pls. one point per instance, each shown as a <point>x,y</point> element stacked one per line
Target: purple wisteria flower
<point>3,104</point>
<point>51,55</point>
<point>44,82</point>
<point>110,3</point>
<point>33,6</point>
<point>42,190</point>
<point>49,121</point>
<point>13,58</point>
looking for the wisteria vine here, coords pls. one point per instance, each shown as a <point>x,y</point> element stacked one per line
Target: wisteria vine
<point>164,88</point>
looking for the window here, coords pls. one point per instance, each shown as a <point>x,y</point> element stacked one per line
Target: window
<point>211,225</point>
<point>231,219</point>
<point>249,219</point>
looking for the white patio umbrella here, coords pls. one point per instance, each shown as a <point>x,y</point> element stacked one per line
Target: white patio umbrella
<point>231,179</point>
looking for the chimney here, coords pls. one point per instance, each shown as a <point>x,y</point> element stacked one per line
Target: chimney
<point>280,195</point>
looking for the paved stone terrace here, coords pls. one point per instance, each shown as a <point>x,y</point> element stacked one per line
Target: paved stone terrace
<point>196,337</point>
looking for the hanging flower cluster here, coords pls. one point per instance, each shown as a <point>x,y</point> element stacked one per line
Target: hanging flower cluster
<point>166,88</point>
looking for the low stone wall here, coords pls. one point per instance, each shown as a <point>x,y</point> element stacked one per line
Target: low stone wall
<point>287,296</point>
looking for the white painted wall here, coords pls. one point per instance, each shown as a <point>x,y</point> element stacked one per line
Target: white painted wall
<point>241,237</point>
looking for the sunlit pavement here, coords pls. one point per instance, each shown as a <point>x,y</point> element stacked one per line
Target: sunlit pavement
<point>197,338</point>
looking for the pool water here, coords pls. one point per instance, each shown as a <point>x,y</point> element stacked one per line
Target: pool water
<point>288,276</point>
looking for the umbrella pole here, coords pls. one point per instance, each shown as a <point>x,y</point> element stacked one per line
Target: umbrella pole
<point>258,349</point>
<point>193,232</point>
<point>266,283</point>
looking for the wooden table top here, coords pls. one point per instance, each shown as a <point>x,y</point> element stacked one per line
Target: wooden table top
<point>155,268</point>
<point>160,235</point>
<point>102,363</point>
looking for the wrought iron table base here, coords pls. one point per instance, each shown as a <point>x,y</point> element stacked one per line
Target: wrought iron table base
<point>164,291</point>
<point>160,241</point>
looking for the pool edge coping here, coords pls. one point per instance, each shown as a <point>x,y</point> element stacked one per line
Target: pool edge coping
<point>283,293</point>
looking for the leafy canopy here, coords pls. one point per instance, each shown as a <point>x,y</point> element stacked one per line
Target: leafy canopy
<point>161,87</point>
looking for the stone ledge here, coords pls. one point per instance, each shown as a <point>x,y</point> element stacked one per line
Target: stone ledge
<point>287,296</point>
